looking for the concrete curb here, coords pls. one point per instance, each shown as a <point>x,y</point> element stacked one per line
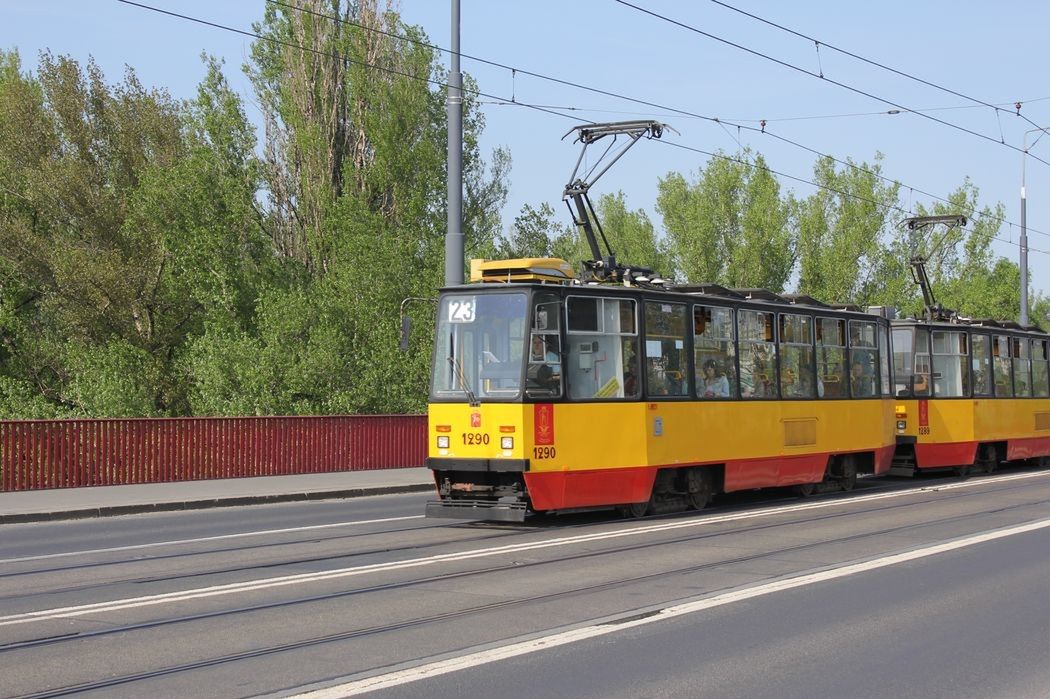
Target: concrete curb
<point>235,501</point>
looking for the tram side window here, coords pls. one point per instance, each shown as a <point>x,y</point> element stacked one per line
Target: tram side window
<point>666,370</point>
<point>714,352</point>
<point>1004,387</point>
<point>543,374</point>
<point>981,363</point>
<point>1040,375</point>
<point>602,353</point>
<point>884,359</point>
<point>831,358</point>
<point>921,380</point>
<point>1022,367</point>
<point>903,361</point>
<point>950,378</point>
<point>758,354</point>
<point>863,359</point>
<point>796,356</point>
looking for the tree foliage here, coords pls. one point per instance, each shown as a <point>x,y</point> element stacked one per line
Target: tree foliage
<point>163,258</point>
<point>730,226</point>
<point>841,230</point>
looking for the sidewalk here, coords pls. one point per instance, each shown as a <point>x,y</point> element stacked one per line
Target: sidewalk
<point>104,501</point>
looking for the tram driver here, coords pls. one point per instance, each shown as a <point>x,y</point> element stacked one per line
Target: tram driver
<point>544,362</point>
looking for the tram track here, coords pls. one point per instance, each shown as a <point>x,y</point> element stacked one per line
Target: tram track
<point>218,571</point>
<point>571,558</point>
<point>352,634</point>
<point>761,509</point>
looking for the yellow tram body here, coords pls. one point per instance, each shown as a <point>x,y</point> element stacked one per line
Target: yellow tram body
<point>552,396</point>
<point>755,445</point>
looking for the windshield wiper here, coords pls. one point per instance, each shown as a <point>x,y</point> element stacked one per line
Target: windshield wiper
<point>464,386</point>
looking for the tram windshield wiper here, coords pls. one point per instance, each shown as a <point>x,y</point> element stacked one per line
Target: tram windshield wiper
<point>457,371</point>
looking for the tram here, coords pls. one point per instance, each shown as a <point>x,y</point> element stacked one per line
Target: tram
<point>554,392</point>
<point>552,395</point>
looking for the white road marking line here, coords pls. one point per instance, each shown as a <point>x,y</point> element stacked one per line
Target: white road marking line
<point>177,542</point>
<point>593,630</point>
<point>633,530</point>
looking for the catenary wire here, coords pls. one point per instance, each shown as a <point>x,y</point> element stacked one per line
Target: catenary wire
<point>545,110</point>
<point>675,110</point>
<point>979,102</point>
<point>820,76</point>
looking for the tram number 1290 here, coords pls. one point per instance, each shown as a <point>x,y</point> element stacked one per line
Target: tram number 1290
<point>543,452</point>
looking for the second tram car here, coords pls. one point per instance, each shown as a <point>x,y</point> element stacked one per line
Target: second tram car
<point>970,394</point>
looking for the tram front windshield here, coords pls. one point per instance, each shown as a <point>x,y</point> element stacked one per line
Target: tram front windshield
<point>480,346</point>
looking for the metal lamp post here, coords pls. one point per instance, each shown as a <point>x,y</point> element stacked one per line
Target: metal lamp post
<point>1024,229</point>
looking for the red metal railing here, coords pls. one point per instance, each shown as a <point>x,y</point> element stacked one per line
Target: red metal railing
<point>37,454</point>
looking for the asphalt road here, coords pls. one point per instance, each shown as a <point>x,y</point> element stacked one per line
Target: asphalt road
<point>927,588</point>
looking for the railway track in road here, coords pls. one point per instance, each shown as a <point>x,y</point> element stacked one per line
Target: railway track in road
<point>876,506</point>
<point>217,571</point>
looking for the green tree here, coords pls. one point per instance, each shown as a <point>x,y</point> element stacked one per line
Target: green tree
<point>355,176</point>
<point>127,220</point>
<point>82,274</point>
<point>731,226</point>
<point>841,232</point>
<point>532,234</point>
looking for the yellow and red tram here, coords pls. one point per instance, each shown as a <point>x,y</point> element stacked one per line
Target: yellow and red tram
<point>970,394</point>
<point>552,395</point>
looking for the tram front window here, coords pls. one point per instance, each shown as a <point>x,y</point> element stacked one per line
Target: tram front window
<point>480,346</point>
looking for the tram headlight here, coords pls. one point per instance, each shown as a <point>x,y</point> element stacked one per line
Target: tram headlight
<point>506,442</point>
<point>901,425</point>
<point>443,442</point>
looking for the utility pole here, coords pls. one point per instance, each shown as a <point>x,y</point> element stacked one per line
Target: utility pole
<point>1024,229</point>
<point>454,106</point>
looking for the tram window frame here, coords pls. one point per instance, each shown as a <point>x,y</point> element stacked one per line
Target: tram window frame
<point>603,325</point>
<point>1040,380</point>
<point>831,373</point>
<point>903,360</point>
<point>922,371</point>
<point>982,383</point>
<point>719,349</point>
<point>885,372</point>
<point>667,376</point>
<point>949,351</point>
<point>1002,367</point>
<point>1021,359</point>
<point>478,347</point>
<point>864,352</point>
<point>544,377</point>
<point>761,339</point>
<point>795,331</point>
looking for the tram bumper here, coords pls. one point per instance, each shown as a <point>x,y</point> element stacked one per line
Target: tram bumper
<point>481,489</point>
<point>477,509</point>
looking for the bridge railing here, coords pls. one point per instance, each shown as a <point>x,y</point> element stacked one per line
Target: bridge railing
<point>36,454</point>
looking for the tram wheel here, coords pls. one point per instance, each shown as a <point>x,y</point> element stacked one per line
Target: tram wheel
<point>987,458</point>
<point>848,479</point>
<point>637,510</point>
<point>699,488</point>
<point>806,489</point>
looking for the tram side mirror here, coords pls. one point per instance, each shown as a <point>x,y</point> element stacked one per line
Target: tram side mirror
<point>406,332</point>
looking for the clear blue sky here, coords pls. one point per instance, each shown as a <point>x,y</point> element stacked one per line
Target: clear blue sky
<point>996,52</point>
